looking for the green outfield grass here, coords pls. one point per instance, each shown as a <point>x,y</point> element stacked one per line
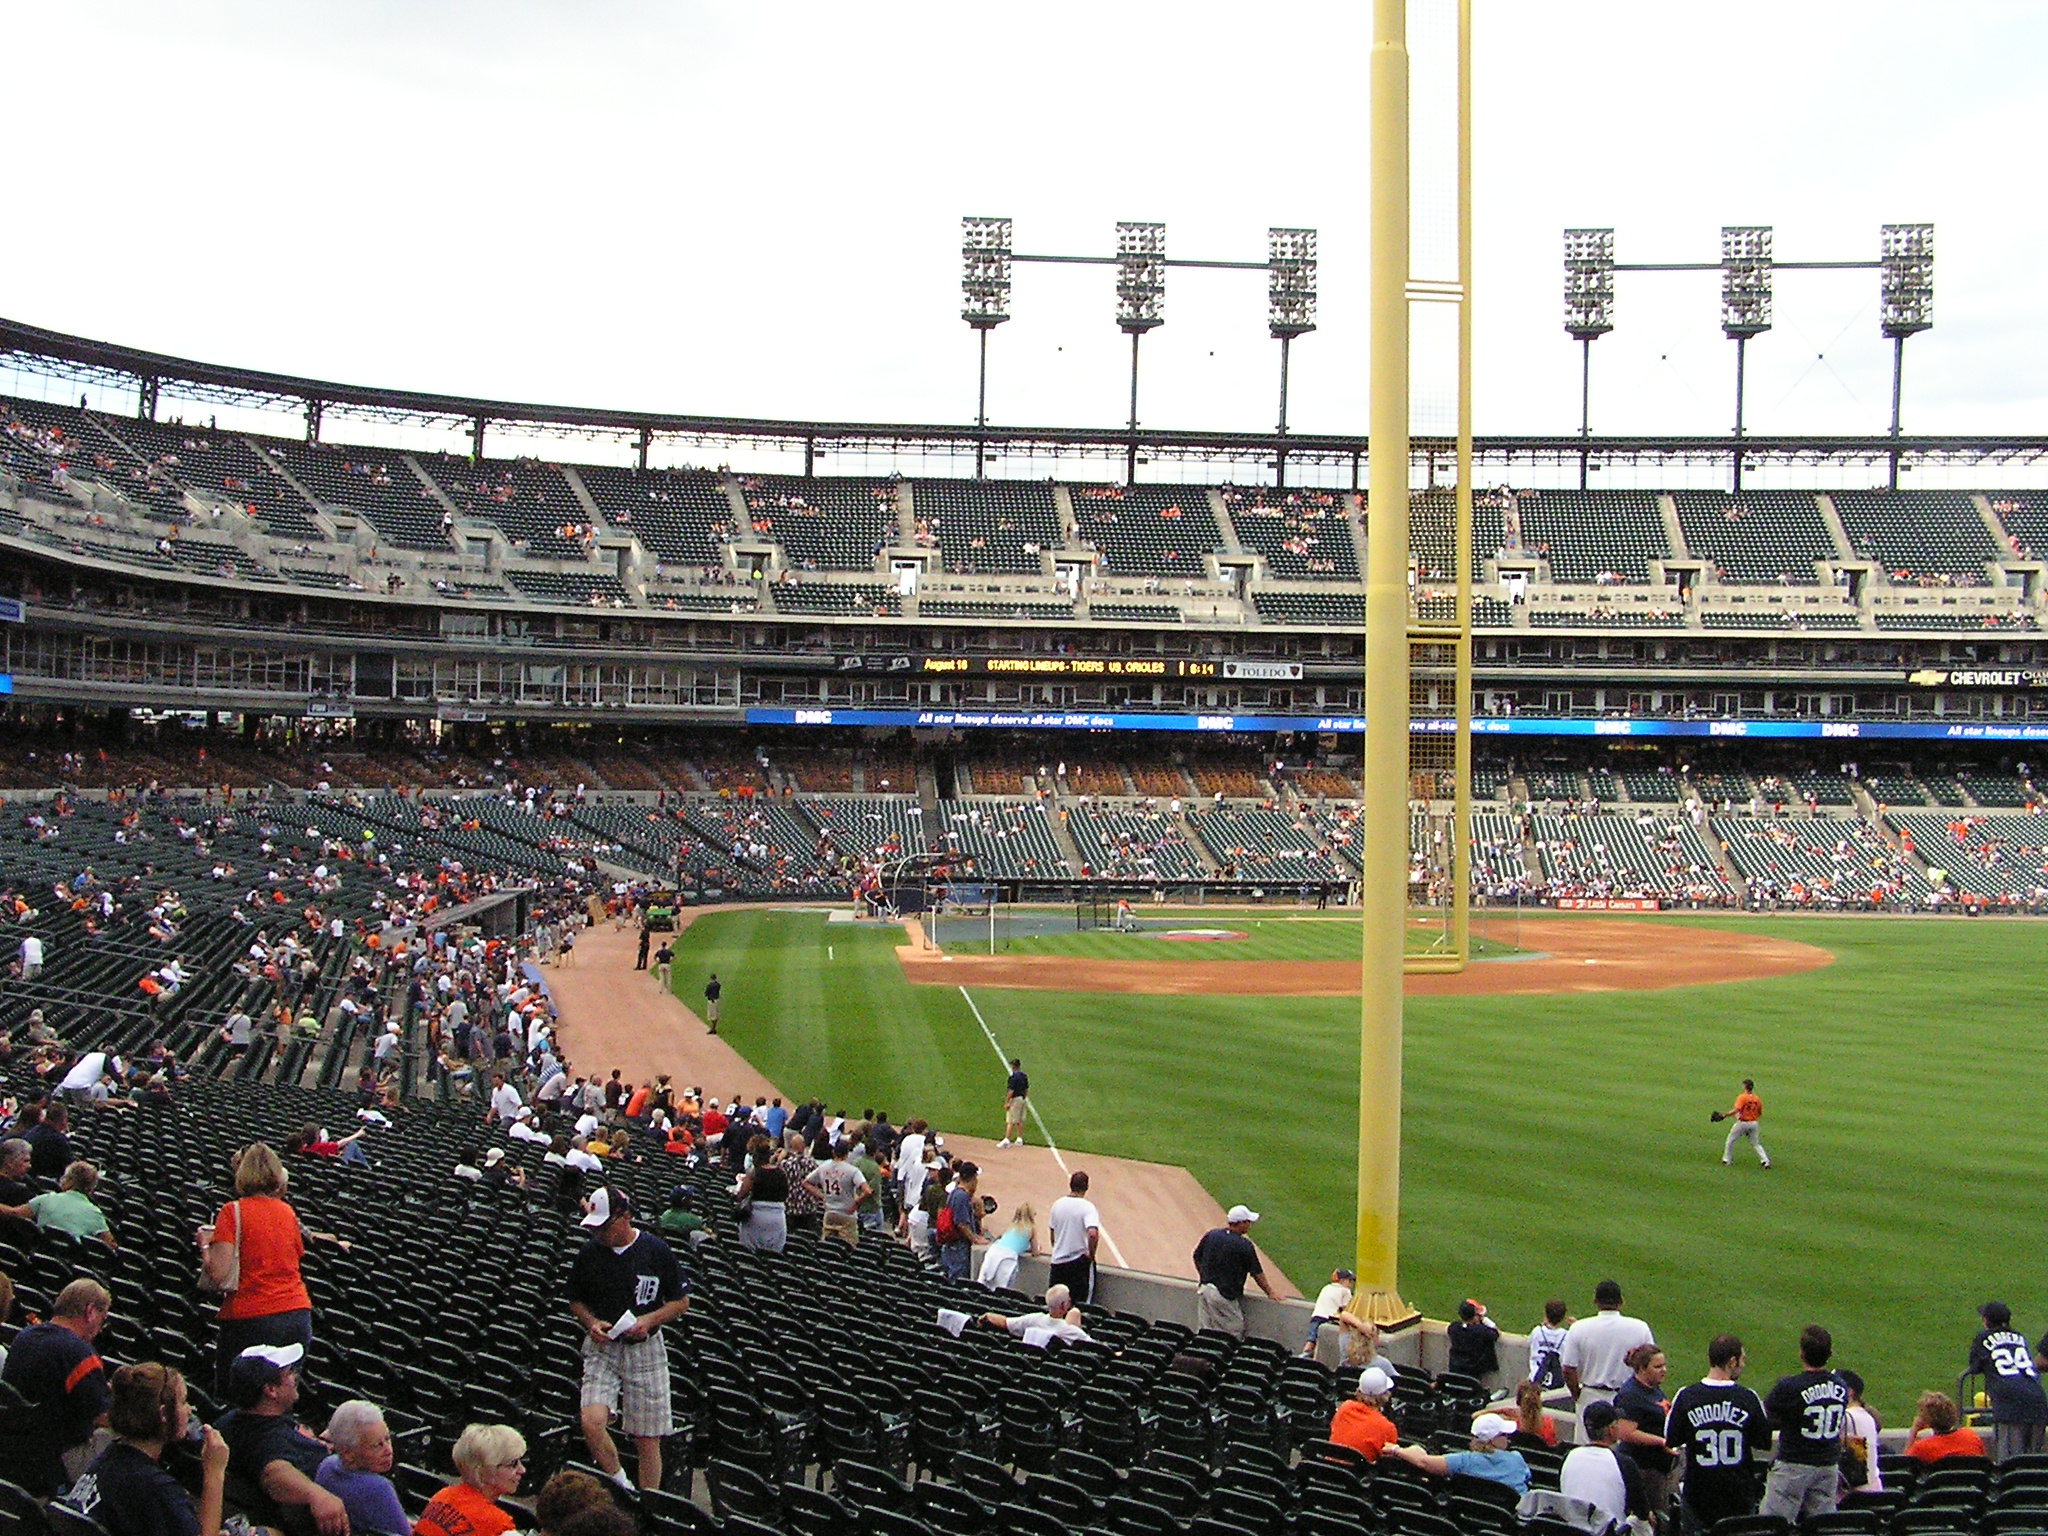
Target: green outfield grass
<point>1265,938</point>
<point>1549,1141</point>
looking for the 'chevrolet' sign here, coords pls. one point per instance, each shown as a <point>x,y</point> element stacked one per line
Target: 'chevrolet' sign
<point>1929,677</point>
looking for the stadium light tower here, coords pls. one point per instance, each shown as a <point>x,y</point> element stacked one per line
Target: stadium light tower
<point>1140,303</point>
<point>987,255</point>
<point>1745,302</point>
<point>1588,310</point>
<point>985,252</point>
<point>1906,291</point>
<point>1290,295</point>
<point>1906,300</point>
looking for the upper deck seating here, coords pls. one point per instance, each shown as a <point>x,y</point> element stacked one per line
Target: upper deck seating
<point>1769,538</point>
<point>377,485</point>
<point>987,527</point>
<point>1303,535</point>
<point>1920,538</point>
<point>846,600</point>
<point>221,466</point>
<point>823,524</point>
<point>91,452</point>
<point>1325,610</point>
<point>530,502</point>
<point>1147,530</point>
<point>681,516</point>
<point>1602,537</point>
<point>588,589</point>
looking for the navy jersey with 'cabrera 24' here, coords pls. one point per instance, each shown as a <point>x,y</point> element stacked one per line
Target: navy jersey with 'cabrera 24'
<point>1721,1429</point>
<point>2010,1380</point>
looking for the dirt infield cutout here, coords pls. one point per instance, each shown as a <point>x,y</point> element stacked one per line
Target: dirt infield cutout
<point>1574,954</point>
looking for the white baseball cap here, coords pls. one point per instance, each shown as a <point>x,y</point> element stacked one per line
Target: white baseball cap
<point>1491,1426</point>
<point>1374,1382</point>
<point>606,1203</point>
<point>282,1356</point>
<point>1239,1213</point>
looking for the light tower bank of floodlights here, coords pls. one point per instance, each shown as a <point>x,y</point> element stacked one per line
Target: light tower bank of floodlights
<point>1140,304</point>
<point>984,299</point>
<point>1290,295</point>
<point>1905,267</point>
<point>987,252</point>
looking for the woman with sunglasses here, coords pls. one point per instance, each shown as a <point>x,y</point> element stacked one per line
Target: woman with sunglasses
<point>490,1458</point>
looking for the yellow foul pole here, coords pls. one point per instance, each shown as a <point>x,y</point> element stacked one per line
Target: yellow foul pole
<point>1384,820</point>
<point>1461,814</point>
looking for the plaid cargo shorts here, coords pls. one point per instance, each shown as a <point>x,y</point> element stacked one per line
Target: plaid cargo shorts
<point>632,1381</point>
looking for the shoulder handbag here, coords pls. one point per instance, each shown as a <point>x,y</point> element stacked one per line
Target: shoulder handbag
<point>222,1290</point>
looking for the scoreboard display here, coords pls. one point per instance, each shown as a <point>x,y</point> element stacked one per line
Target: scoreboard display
<point>1146,668</point>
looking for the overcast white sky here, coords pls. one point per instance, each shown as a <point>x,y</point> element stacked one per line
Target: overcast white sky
<point>754,209</point>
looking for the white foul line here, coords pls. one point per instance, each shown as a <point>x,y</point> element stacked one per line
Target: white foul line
<point>1115,1252</point>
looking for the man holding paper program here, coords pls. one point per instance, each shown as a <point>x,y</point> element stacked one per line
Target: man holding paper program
<point>622,1288</point>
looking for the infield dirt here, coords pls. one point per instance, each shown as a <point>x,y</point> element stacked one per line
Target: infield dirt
<point>1569,954</point>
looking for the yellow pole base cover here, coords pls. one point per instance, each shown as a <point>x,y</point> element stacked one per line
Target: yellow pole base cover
<point>1383,1309</point>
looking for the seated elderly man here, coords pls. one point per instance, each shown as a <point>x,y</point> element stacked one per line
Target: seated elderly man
<point>358,1473</point>
<point>271,1450</point>
<point>1057,1319</point>
<point>16,1190</point>
<point>55,1367</point>
<point>69,1209</point>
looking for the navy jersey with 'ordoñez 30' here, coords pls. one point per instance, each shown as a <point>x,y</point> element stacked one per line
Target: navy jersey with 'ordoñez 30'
<point>1721,1428</point>
<point>1808,1410</point>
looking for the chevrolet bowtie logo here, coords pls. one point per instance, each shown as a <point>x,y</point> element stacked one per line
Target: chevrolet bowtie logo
<point>1927,678</point>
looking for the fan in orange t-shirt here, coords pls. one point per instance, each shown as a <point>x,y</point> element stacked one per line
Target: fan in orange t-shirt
<point>491,1459</point>
<point>1361,1422</point>
<point>1940,1430</point>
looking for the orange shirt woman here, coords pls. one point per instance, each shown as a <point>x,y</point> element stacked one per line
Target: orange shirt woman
<point>252,1251</point>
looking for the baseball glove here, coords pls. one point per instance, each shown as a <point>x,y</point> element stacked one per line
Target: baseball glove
<point>1717,1116</point>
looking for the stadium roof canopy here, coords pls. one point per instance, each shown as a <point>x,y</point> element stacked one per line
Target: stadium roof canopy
<point>147,376</point>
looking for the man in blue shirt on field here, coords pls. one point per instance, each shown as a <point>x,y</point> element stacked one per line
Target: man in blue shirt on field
<point>1016,1098</point>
